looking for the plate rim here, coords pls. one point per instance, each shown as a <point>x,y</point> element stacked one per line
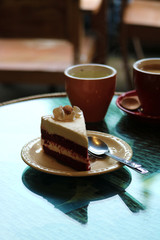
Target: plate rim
<point>73,173</point>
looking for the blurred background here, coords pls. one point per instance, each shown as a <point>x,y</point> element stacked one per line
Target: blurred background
<point>118,32</point>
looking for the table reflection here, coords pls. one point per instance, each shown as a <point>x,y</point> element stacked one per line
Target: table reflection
<point>73,195</point>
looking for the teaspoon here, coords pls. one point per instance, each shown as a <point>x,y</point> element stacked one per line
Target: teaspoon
<point>98,148</point>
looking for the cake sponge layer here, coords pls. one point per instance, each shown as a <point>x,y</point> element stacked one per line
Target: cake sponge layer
<point>80,166</point>
<point>61,141</point>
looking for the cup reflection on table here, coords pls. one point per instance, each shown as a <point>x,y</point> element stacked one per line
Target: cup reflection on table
<point>91,88</point>
<point>146,76</point>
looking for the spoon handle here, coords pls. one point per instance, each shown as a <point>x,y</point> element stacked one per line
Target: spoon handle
<point>137,167</point>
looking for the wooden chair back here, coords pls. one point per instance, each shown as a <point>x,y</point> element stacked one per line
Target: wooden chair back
<point>41,19</point>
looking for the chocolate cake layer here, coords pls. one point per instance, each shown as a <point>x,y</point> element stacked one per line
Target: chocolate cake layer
<point>65,143</point>
<point>67,160</point>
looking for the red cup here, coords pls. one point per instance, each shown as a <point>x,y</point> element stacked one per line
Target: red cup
<point>91,88</point>
<point>146,76</point>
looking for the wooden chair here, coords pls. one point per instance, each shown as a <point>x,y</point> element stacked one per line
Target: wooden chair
<point>39,39</point>
<point>140,22</point>
<point>97,11</point>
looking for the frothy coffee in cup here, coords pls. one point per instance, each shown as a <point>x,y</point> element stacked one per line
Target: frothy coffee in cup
<point>152,68</point>
<point>90,72</point>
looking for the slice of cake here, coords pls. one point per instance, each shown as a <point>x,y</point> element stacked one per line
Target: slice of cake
<point>63,136</point>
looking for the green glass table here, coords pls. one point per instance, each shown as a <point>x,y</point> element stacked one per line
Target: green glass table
<point>119,205</point>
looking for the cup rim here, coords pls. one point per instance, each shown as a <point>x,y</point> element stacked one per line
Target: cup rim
<point>145,60</point>
<point>90,64</point>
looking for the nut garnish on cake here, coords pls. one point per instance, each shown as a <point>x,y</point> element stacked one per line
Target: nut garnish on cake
<point>66,113</point>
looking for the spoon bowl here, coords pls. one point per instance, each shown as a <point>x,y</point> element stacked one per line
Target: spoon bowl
<point>97,146</point>
<point>131,103</point>
<point>99,149</point>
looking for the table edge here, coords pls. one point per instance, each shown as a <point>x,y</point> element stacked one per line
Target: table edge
<point>45,95</point>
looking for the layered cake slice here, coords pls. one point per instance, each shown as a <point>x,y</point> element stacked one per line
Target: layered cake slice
<point>63,136</point>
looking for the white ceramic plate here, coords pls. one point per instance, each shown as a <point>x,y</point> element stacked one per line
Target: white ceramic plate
<point>33,155</point>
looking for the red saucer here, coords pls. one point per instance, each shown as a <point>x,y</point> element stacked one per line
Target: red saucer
<point>138,114</point>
